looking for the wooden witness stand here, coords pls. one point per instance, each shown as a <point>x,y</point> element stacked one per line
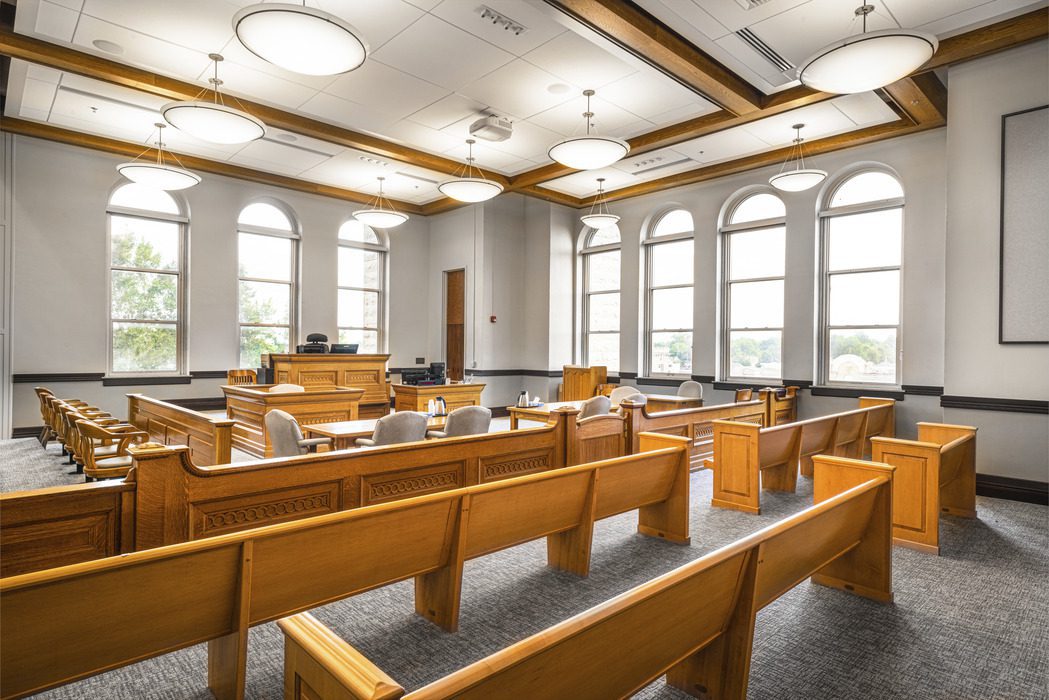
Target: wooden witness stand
<point>215,589</point>
<point>696,623</point>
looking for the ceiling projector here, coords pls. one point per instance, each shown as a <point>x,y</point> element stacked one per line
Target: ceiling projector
<point>492,128</point>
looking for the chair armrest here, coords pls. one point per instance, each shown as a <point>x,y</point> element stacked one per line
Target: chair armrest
<point>436,434</point>
<point>364,442</point>
<point>312,443</point>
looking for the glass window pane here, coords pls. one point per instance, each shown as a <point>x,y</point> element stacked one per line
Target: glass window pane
<point>871,239</point>
<point>603,271</point>
<point>604,236</point>
<point>759,253</point>
<point>265,257</point>
<point>604,312</point>
<point>144,243</point>
<point>135,196</point>
<point>358,309</point>
<point>359,267</point>
<point>865,298</point>
<point>145,347</point>
<point>671,353</point>
<point>602,349</point>
<point>147,296</point>
<point>354,230</point>
<point>757,207</point>
<point>866,187</point>
<point>258,340</point>
<point>263,214</point>
<point>672,308</point>
<point>755,354</point>
<point>677,221</point>
<point>756,304</point>
<point>671,263</point>
<point>863,355</point>
<point>265,302</point>
<point>367,341</point>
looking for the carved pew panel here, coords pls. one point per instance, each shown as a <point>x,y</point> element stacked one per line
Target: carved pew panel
<point>209,439</point>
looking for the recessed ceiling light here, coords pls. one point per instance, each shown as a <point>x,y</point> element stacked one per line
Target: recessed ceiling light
<point>107,46</point>
<point>557,88</point>
<point>373,161</point>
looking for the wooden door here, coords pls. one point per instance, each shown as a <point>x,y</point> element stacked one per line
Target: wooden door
<point>455,323</point>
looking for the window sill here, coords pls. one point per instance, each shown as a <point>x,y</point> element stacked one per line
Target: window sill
<point>733,385</point>
<point>146,380</point>
<point>665,380</point>
<point>854,392</point>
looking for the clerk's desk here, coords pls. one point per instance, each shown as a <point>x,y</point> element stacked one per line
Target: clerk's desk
<point>316,370</point>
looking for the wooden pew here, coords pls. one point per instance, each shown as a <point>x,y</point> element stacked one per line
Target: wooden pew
<point>781,405</point>
<point>934,474</point>
<point>696,623</point>
<point>72,622</point>
<point>210,440</point>
<point>748,457</point>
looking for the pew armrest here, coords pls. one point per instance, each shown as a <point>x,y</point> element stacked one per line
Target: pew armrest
<point>312,652</point>
<point>436,434</point>
<point>364,442</point>
<point>312,443</point>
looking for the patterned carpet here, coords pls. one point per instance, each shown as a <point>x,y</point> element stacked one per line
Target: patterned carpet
<point>971,623</point>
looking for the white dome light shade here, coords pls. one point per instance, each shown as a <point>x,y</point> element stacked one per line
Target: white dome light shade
<point>797,180</point>
<point>214,123</point>
<point>470,189</point>
<point>599,221</point>
<point>867,61</point>
<point>380,218</point>
<point>158,176</point>
<point>300,39</point>
<point>589,152</point>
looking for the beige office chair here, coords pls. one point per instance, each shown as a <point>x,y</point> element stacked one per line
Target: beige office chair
<point>287,389</point>
<point>404,426</point>
<point>690,389</point>
<point>285,435</point>
<point>468,420</point>
<point>597,406</point>
<point>621,392</point>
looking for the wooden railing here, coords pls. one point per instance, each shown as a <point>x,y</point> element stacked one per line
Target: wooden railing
<point>695,624</point>
<point>210,440</point>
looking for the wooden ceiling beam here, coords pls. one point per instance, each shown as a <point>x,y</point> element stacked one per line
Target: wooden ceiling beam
<point>203,165</point>
<point>922,98</point>
<point>993,38</point>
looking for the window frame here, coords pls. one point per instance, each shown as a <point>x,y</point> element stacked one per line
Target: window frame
<point>294,291</point>
<point>648,244</point>
<point>383,249</point>
<point>181,274</point>
<point>725,231</point>
<point>825,214</point>
<point>584,255</point>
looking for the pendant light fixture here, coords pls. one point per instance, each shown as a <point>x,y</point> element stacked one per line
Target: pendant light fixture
<point>867,61</point>
<point>599,216</point>
<point>379,216</point>
<point>466,187</point>
<point>800,178</point>
<point>299,38</point>
<point>213,121</point>
<point>591,151</point>
<point>159,175</point>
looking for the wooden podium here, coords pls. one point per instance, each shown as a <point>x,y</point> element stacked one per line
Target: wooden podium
<point>408,397</point>
<point>314,371</point>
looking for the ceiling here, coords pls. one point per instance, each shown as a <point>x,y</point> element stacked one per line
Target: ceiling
<point>435,66</point>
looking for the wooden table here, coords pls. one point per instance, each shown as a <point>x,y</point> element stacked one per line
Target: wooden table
<point>344,433</point>
<point>538,413</point>
<point>408,397</point>
<point>671,402</point>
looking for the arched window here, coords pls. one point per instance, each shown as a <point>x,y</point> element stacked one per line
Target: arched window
<point>601,260</point>
<point>147,251</point>
<point>861,255</point>
<point>362,277</point>
<point>668,251</point>
<point>753,248</point>
<point>267,265</point>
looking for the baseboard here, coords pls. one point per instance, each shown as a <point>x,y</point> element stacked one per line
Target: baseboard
<point>1012,489</point>
<point>981,403</point>
<point>26,432</point>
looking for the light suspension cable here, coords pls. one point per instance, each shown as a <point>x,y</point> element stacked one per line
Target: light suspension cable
<point>158,175</point>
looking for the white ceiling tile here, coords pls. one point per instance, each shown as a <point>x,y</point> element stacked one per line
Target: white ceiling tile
<point>753,60</point>
<point>345,113</point>
<point>280,168</point>
<point>425,4</point>
<point>914,14</point>
<point>567,118</point>
<point>724,145</point>
<point>687,18</point>
<point>436,51</point>
<point>141,49</point>
<point>578,61</point>
<point>864,108</point>
<point>133,119</point>
<point>257,86</point>
<point>110,91</point>
<point>71,4</point>
<point>802,31</point>
<point>290,156</point>
<point>731,15</point>
<point>386,89</point>
<point>46,75</point>
<point>234,52</point>
<point>55,21</point>
<point>519,89</point>
<point>528,141</point>
<point>467,16</point>
<point>584,184</point>
<point>820,120</point>
<point>676,116</point>
<point>485,157</point>
<point>648,94</point>
<point>421,137</point>
<point>978,16</point>
<point>38,96</point>
<point>348,170</point>
<point>202,25</point>
<point>447,111</point>
<point>378,21</point>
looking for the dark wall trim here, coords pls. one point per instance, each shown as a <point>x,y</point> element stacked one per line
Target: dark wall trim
<point>732,386</point>
<point>40,378</point>
<point>980,403</point>
<point>209,403</point>
<point>548,373</point>
<point>144,381</point>
<point>628,375</point>
<point>209,374</point>
<point>26,432</point>
<point>1012,489</point>
<point>800,383</point>
<point>918,390</point>
<point>704,378</point>
<point>855,393</point>
<point>659,381</point>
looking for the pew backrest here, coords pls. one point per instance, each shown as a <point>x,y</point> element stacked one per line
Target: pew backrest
<point>210,440</point>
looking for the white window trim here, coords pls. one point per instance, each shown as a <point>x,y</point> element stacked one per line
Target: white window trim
<point>585,331</point>
<point>294,291</point>
<point>647,243</point>
<point>384,257</point>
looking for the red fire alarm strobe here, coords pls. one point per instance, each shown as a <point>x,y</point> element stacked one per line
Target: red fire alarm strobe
<point>492,318</point>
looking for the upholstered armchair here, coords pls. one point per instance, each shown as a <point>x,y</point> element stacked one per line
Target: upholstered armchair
<point>403,426</point>
<point>690,389</point>
<point>285,435</point>
<point>468,420</point>
<point>622,392</point>
<point>597,406</point>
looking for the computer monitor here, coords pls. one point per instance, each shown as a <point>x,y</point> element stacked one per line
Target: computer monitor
<point>345,348</point>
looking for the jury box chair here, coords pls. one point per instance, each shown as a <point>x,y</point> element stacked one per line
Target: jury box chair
<point>622,392</point>
<point>596,406</point>
<point>690,389</point>
<point>285,435</point>
<point>403,426</point>
<point>241,376</point>
<point>467,420</point>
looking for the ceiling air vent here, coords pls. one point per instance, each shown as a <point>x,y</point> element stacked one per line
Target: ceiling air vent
<point>751,4</point>
<point>766,51</point>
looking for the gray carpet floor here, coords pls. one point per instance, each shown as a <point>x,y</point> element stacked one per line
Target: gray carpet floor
<point>971,623</point>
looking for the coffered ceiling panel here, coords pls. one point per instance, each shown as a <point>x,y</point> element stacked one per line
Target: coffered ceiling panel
<point>386,89</point>
<point>519,90</point>
<point>447,111</point>
<point>577,61</point>
<point>652,99</point>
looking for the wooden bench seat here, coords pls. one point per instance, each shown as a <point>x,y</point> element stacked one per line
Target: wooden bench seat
<point>696,623</point>
<point>71,622</point>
